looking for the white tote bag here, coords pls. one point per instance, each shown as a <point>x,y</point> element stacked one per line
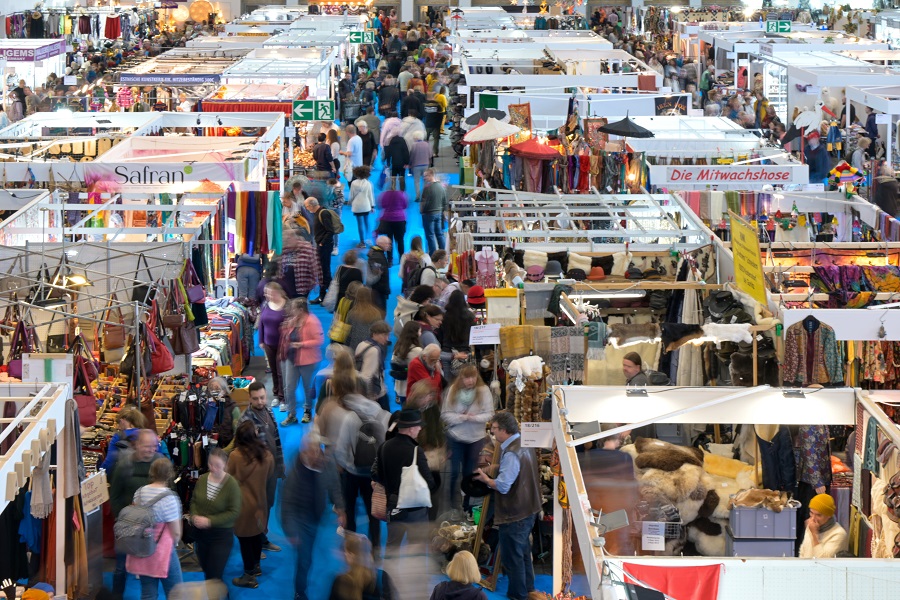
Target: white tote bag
<point>414,492</point>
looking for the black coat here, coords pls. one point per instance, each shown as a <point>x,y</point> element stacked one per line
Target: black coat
<point>412,104</point>
<point>392,456</point>
<point>378,263</point>
<point>886,192</point>
<point>396,155</point>
<point>388,96</point>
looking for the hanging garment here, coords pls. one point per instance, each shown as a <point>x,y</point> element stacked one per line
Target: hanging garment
<point>113,28</point>
<point>533,174</point>
<point>776,458</point>
<point>584,173</point>
<point>812,354</point>
<point>36,25</point>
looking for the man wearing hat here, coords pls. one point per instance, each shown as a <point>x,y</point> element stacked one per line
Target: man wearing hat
<point>518,501</point>
<point>393,455</point>
<point>817,159</point>
<point>824,536</point>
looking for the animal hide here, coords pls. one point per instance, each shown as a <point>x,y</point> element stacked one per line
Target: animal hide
<point>621,334</point>
<point>742,369</point>
<point>651,445</point>
<point>724,488</point>
<point>774,501</point>
<point>577,261</point>
<point>666,459</point>
<point>534,258</point>
<point>512,271</point>
<point>621,262</point>
<point>702,533</point>
<point>739,332</point>
<point>678,486</point>
<point>710,503</point>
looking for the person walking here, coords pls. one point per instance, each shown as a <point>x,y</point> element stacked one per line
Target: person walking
<point>131,471</point>
<point>463,573</point>
<point>270,319</point>
<point>434,209</point>
<point>364,313</point>
<point>301,345</point>
<point>379,270</point>
<point>370,354</point>
<point>369,143</point>
<point>263,419</point>
<point>419,160</point>
<point>354,151</point>
<point>215,506</point>
<point>406,350</point>
<point>163,566</point>
<point>434,120</point>
<point>517,502</point>
<point>362,201</point>
<point>322,154</point>
<point>362,579</point>
<point>324,229</point>
<point>406,521</point>
<point>468,406</point>
<point>312,482</point>
<point>396,158</point>
<point>393,216</point>
<point>252,465</point>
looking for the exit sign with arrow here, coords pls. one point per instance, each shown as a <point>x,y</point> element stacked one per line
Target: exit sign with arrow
<point>313,110</point>
<point>778,26</point>
<point>362,37</point>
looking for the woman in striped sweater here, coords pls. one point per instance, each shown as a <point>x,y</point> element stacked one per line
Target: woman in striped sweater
<point>215,506</point>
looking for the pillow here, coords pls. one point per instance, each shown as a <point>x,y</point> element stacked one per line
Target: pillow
<point>577,261</point>
<point>534,258</point>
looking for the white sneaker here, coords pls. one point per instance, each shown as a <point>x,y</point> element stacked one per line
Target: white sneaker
<point>275,404</point>
<point>335,251</point>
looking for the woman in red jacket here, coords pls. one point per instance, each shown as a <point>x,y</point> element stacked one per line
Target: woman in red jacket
<point>301,352</point>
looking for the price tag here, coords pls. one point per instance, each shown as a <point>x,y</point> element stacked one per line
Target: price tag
<point>183,396</point>
<point>94,492</point>
<point>192,397</point>
<point>537,435</point>
<point>195,474</point>
<point>173,435</point>
<point>484,334</point>
<point>205,441</point>
<point>653,535</point>
<point>175,451</point>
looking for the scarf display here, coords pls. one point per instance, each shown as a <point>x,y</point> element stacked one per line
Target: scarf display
<point>596,340</point>
<point>567,353</point>
<point>41,491</point>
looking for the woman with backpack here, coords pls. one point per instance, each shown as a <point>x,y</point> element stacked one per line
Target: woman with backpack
<point>406,349</point>
<point>215,505</point>
<point>252,465</point>
<point>162,566</point>
<point>392,222</point>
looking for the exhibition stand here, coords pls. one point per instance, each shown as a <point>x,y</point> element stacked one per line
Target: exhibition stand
<point>303,67</point>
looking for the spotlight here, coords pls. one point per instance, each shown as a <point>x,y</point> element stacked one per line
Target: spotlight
<point>198,120</point>
<point>219,121</point>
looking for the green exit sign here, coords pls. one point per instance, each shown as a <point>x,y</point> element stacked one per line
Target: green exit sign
<point>313,110</point>
<point>778,26</point>
<point>362,37</point>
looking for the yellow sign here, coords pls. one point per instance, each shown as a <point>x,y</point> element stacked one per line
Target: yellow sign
<point>748,272</point>
<point>94,492</point>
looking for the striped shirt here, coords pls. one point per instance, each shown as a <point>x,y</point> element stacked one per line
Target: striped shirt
<point>212,488</point>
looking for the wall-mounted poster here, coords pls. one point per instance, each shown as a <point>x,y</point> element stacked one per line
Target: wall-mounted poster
<point>520,115</point>
<point>671,105</point>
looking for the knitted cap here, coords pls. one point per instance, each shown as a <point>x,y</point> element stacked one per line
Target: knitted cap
<point>823,504</point>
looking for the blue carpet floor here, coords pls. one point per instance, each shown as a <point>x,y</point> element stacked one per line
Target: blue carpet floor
<point>277,581</point>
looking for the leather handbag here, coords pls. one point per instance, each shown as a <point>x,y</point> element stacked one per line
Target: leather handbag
<point>140,349</point>
<point>80,349</point>
<point>143,292</point>
<point>86,400</point>
<point>173,310</point>
<point>22,341</point>
<point>113,333</point>
<point>379,502</point>
<point>192,284</point>
<point>161,359</point>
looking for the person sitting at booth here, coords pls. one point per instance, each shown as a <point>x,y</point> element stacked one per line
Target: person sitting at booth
<point>824,536</point>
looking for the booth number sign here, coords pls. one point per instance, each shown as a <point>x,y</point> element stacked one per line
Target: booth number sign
<point>314,110</point>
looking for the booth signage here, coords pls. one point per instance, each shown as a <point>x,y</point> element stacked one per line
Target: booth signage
<point>765,49</point>
<point>778,26</point>
<point>653,535</point>
<point>33,54</point>
<point>169,79</point>
<point>362,37</point>
<point>164,173</point>
<point>748,272</point>
<point>94,492</point>
<point>727,174</point>
<point>484,334</point>
<point>671,105</point>
<point>537,435</point>
<point>313,110</point>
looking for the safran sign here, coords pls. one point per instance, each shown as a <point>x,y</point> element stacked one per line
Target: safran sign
<point>730,175</point>
<point>163,174</point>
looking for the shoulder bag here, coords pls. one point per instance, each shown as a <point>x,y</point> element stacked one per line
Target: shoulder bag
<point>113,333</point>
<point>143,292</point>
<point>86,400</point>
<point>21,344</point>
<point>173,311</point>
<point>161,359</point>
<point>414,492</point>
<point>329,303</point>
<point>192,283</point>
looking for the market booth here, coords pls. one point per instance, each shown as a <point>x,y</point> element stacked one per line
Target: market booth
<point>33,59</point>
<point>306,67</point>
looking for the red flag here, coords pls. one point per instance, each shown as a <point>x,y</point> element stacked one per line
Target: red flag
<point>680,583</point>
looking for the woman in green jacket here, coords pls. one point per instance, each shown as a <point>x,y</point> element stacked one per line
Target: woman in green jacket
<point>214,508</point>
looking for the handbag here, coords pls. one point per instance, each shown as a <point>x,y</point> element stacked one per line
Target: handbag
<point>379,502</point>
<point>195,292</point>
<point>91,366</point>
<point>173,311</point>
<point>329,303</point>
<point>113,333</point>
<point>414,492</point>
<point>185,340</point>
<point>14,284</point>
<point>86,400</point>
<point>340,328</point>
<point>143,292</point>
<point>21,344</point>
<point>161,359</point>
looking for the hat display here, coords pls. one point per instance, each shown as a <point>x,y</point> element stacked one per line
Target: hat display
<point>476,295</point>
<point>577,274</point>
<point>652,274</point>
<point>824,504</point>
<point>409,417</point>
<point>534,273</point>
<point>596,274</point>
<point>553,269</point>
<point>634,273</point>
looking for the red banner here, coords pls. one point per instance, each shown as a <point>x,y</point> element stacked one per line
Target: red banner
<point>680,583</point>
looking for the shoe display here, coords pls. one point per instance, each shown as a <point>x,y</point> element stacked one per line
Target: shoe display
<point>246,581</point>
<point>269,546</point>
<point>291,421</point>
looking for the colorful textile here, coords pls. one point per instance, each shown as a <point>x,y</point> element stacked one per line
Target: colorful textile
<point>683,583</point>
<point>812,357</point>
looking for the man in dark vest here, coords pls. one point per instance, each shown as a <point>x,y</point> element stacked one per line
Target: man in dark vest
<point>518,501</point>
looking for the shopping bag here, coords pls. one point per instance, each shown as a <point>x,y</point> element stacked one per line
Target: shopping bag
<point>379,502</point>
<point>414,492</point>
<point>329,303</point>
<point>195,291</point>
<point>143,292</point>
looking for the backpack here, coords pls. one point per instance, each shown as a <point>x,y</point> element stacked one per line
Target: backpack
<point>134,528</point>
<point>335,226</point>
<point>415,277</point>
<point>369,437</point>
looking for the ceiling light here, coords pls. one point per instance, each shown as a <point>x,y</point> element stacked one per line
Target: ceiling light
<point>74,281</point>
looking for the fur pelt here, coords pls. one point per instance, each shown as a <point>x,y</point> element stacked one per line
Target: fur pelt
<point>701,534</point>
<point>738,332</point>
<point>742,369</point>
<point>643,444</point>
<point>625,333</point>
<point>772,500</point>
<point>710,503</point>
<point>577,261</point>
<point>680,485</point>
<point>512,271</point>
<point>534,258</point>
<point>666,459</point>
<point>761,314</point>
<point>724,488</point>
<point>621,262</point>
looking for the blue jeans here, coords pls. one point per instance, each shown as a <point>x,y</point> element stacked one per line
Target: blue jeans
<point>515,557</point>
<point>418,181</point>
<point>120,576</point>
<point>150,585</point>
<point>463,461</point>
<point>362,224</point>
<point>247,280</point>
<point>305,544</point>
<point>434,231</point>
<point>293,375</point>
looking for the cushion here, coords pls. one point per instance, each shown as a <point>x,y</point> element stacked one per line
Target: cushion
<point>534,258</point>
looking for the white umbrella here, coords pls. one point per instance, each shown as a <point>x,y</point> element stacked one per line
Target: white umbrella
<point>491,130</point>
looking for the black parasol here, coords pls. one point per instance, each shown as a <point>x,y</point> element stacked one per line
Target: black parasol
<point>627,128</point>
<point>484,114</point>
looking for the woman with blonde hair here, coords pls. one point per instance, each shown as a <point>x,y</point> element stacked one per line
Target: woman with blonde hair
<point>344,380</point>
<point>361,316</point>
<point>467,407</point>
<point>361,579</point>
<point>463,573</point>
